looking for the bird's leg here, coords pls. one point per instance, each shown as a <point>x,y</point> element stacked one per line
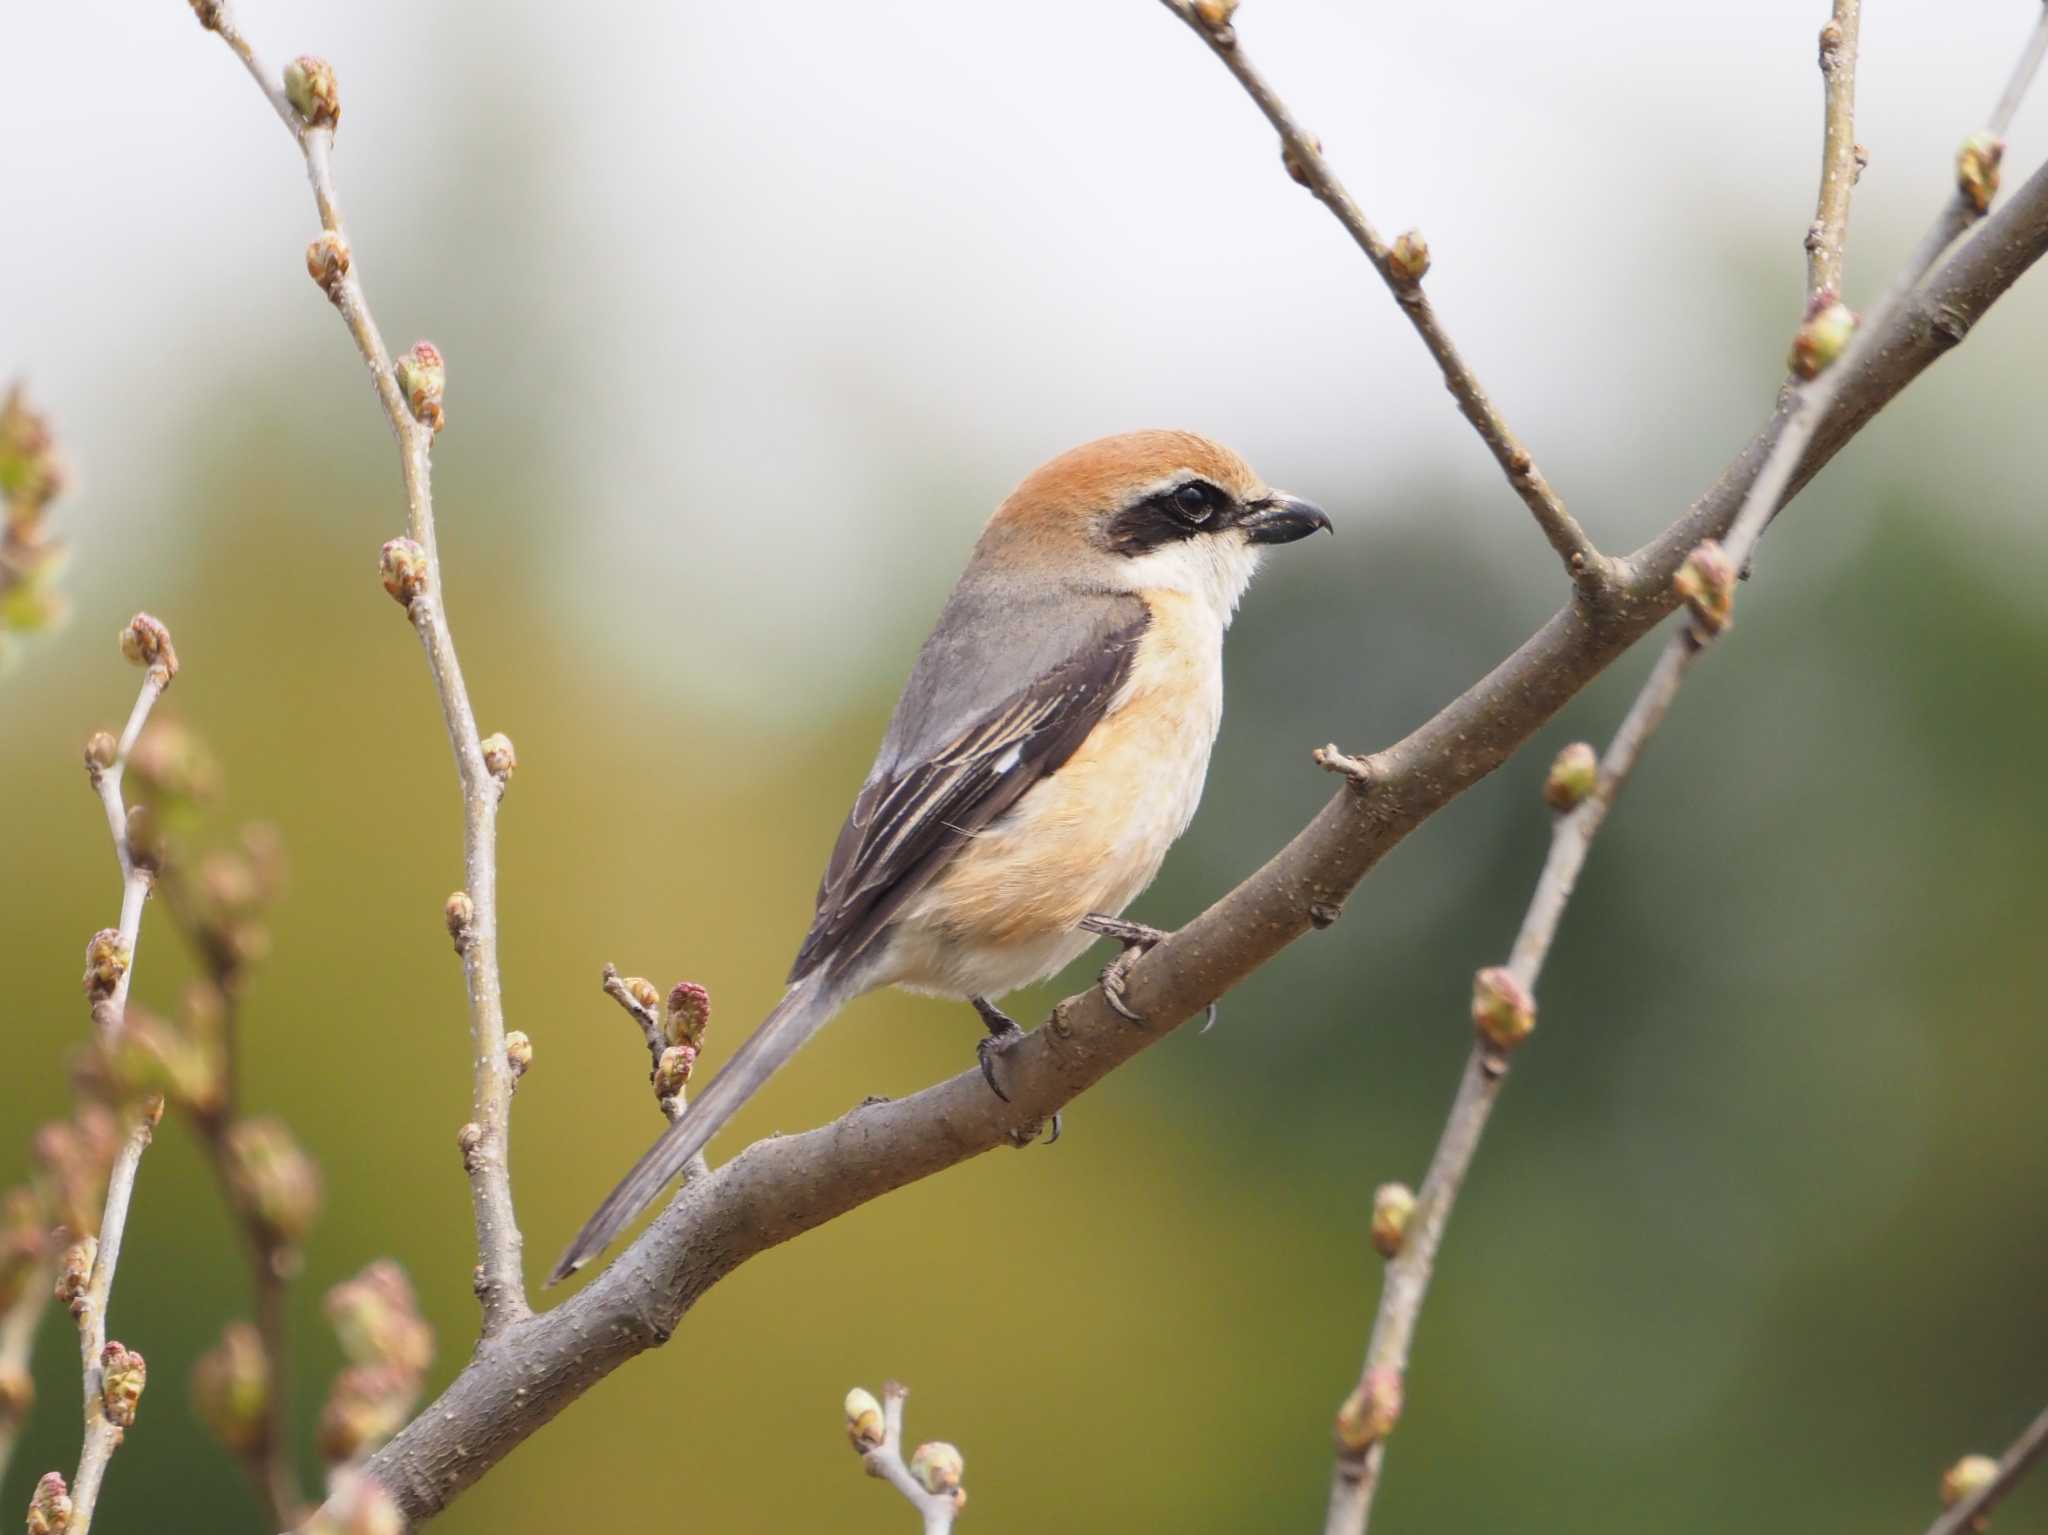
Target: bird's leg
<point>1003,1032</point>
<point>1136,938</point>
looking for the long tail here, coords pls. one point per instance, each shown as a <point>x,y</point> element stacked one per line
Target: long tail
<point>803,1010</point>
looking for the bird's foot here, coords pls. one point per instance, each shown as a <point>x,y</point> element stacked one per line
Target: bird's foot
<point>1136,938</point>
<point>1003,1033</point>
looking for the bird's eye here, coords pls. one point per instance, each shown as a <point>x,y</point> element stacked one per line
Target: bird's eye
<point>1192,501</point>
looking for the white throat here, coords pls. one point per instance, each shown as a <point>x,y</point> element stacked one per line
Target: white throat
<point>1214,570</point>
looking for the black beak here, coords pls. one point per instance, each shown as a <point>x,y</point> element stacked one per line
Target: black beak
<point>1278,519</point>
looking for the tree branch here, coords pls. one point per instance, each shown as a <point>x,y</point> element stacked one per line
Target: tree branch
<point>1707,582</point>
<point>1841,159</point>
<point>1970,1511</point>
<point>17,1347</point>
<point>112,1375</point>
<point>1401,268</point>
<point>779,1188</point>
<point>528,1368</point>
<point>929,1480</point>
<point>306,99</point>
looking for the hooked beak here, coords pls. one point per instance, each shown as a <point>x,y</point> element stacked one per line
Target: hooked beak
<point>1278,519</point>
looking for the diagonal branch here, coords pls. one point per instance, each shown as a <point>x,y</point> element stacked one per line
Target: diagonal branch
<point>780,1188</point>
<point>1402,271</point>
<point>307,102</point>
<point>1970,1512</point>
<point>1707,580</point>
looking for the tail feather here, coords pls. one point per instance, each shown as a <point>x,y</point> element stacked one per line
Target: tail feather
<point>804,1009</point>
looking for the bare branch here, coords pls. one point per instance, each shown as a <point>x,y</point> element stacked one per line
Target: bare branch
<point>779,1188</point>
<point>929,1479</point>
<point>1840,159</point>
<point>307,101</point>
<point>1401,268</point>
<point>112,1373</point>
<point>1980,1494</point>
<point>17,1347</point>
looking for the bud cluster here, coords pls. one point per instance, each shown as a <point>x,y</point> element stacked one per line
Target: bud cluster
<point>1574,775</point>
<point>685,1016</point>
<point>1977,169</point>
<point>403,566</point>
<point>31,558</point>
<point>1705,583</point>
<point>1393,1204</point>
<point>310,87</point>
<point>76,1157</point>
<point>422,376</point>
<point>122,1377</point>
<point>500,760</point>
<point>1370,1412</point>
<point>1409,256</point>
<point>146,642</point>
<point>49,1510</point>
<point>231,1389</point>
<point>327,262</point>
<point>273,1179</point>
<point>1502,1010</point>
<point>389,1346</point>
<point>1822,337</point>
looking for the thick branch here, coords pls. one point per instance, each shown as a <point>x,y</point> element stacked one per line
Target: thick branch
<point>1303,155</point>
<point>777,1189</point>
<point>500,1279</point>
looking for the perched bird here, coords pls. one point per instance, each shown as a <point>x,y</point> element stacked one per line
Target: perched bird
<point>1049,747</point>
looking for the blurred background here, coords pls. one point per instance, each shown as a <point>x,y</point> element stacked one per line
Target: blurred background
<point>752,313</point>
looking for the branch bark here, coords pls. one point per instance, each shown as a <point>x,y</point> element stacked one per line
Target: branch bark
<point>1970,1513</point>
<point>779,1188</point>
<point>110,967</point>
<point>1302,153</point>
<point>928,1480</point>
<point>1841,159</point>
<point>414,419</point>
<point>528,1368</point>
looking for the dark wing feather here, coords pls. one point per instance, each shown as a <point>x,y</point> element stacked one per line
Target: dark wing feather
<point>912,817</point>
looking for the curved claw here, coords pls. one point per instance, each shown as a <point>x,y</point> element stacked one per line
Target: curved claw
<point>1208,1019</point>
<point>987,1050</point>
<point>1055,1128</point>
<point>1112,983</point>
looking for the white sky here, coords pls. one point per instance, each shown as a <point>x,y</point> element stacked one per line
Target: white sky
<point>805,264</point>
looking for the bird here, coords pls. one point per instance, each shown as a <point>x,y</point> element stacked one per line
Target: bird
<point>1049,747</point>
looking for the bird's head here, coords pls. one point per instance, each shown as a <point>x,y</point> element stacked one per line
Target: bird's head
<point>1147,511</point>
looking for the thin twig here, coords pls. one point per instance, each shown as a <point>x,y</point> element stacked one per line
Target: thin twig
<point>148,643</point>
<point>1303,156</point>
<point>649,1018</point>
<point>102,1434</point>
<point>929,1479</point>
<point>17,1348</point>
<point>1407,1280</point>
<point>501,1283</point>
<point>1839,160</point>
<point>784,1186</point>
<point>1970,1512</point>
